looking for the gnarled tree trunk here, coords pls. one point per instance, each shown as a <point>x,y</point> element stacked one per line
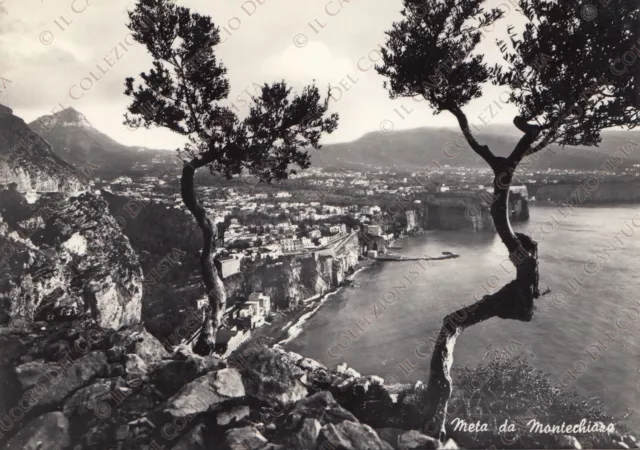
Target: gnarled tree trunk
<point>512,301</point>
<point>215,288</point>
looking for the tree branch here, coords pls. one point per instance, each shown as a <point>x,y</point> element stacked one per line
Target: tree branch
<point>481,150</point>
<point>215,288</point>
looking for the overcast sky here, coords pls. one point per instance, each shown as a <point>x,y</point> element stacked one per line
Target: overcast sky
<point>47,48</point>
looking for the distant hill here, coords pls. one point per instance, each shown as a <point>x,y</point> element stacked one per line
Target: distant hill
<point>75,140</point>
<point>28,160</point>
<point>417,148</point>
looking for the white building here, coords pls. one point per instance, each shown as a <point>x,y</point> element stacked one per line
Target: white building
<point>291,245</point>
<point>282,194</point>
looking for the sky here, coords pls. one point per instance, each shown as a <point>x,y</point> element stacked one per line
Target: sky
<point>50,48</point>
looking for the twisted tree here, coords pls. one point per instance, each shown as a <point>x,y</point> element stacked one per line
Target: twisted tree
<point>185,92</point>
<point>568,78</point>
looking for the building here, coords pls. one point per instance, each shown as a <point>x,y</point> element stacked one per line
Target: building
<point>375,230</point>
<point>411,220</point>
<point>292,245</point>
<point>282,194</point>
<point>522,190</point>
<point>229,266</point>
<point>263,300</point>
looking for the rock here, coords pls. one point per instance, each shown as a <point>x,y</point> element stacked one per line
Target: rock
<point>565,441</point>
<point>247,438</point>
<point>67,376</point>
<point>271,379</point>
<point>47,432</point>
<point>28,374</point>
<point>194,439</point>
<point>77,265</point>
<point>415,440</point>
<point>450,445</point>
<point>348,435</point>
<point>116,370</point>
<point>135,367</point>
<point>390,435</point>
<point>85,400</point>
<point>307,436</point>
<point>321,406</point>
<point>234,414</point>
<point>116,354</point>
<point>206,392</point>
<point>139,341</point>
<point>170,376</point>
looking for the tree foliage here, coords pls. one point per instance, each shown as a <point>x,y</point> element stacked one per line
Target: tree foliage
<point>186,89</point>
<point>560,67</point>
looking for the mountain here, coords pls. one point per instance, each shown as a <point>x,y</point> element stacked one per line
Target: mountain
<point>418,148</point>
<point>28,160</point>
<point>76,141</point>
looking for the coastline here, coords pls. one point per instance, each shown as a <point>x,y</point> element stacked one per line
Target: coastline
<point>288,325</point>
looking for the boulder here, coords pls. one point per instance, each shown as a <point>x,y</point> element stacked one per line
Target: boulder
<point>135,367</point>
<point>232,415</point>
<point>405,440</point>
<point>415,440</point>
<point>307,436</point>
<point>194,439</point>
<point>321,406</point>
<point>29,374</point>
<point>348,435</point>
<point>270,379</point>
<point>566,441</point>
<point>247,438</point>
<point>206,393</point>
<point>169,376</point>
<point>139,341</point>
<point>85,400</point>
<point>47,432</point>
<point>65,377</point>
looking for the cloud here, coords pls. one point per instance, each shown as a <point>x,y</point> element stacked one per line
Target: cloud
<point>314,61</point>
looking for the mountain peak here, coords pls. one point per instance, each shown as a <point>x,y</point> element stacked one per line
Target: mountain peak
<point>71,117</point>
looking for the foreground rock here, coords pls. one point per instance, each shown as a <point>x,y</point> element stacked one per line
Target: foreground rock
<point>349,435</point>
<point>206,393</point>
<point>47,432</point>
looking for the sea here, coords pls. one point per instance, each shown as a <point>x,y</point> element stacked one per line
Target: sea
<point>585,333</point>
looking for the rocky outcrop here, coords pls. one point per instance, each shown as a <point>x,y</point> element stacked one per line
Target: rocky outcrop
<point>467,212</point>
<point>66,257</point>
<point>28,160</point>
<point>266,399</point>
<point>591,191</point>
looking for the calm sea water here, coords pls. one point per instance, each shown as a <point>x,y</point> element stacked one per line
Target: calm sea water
<point>381,326</point>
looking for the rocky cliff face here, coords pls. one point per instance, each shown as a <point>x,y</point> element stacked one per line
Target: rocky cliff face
<point>66,257</point>
<point>27,160</point>
<point>589,192</point>
<point>467,213</point>
<point>295,279</point>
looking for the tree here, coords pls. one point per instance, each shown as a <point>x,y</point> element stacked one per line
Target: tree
<point>564,72</point>
<point>185,91</point>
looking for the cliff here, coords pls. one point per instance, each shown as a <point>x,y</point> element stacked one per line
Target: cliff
<point>589,192</point>
<point>466,212</point>
<point>28,160</point>
<point>294,279</point>
<point>66,257</point>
